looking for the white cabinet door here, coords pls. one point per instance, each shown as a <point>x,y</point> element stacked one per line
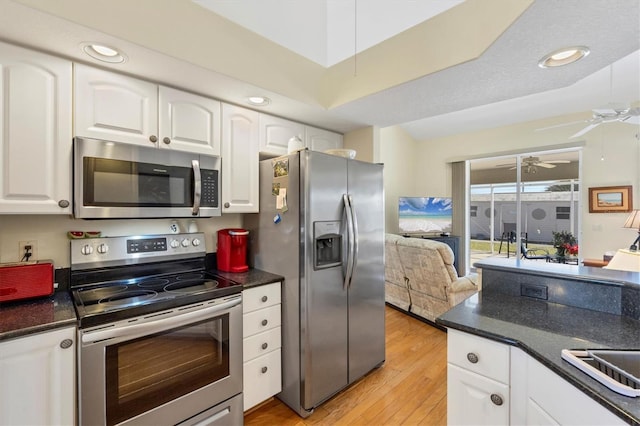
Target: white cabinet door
<point>114,107</point>
<point>189,122</point>
<point>473,399</point>
<point>35,132</point>
<point>37,376</point>
<point>240,160</point>
<point>321,140</point>
<point>262,378</point>
<point>275,133</point>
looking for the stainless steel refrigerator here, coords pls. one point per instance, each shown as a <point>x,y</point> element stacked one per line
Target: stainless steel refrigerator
<point>321,226</point>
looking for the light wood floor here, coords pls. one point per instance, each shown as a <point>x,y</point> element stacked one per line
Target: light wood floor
<point>409,389</point>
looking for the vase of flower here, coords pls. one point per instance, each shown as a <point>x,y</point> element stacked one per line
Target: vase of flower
<point>565,244</point>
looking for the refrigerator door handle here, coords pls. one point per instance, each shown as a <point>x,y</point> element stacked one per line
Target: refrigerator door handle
<point>354,225</point>
<point>350,240</point>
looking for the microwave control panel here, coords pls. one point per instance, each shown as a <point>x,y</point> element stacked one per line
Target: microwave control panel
<point>209,188</point>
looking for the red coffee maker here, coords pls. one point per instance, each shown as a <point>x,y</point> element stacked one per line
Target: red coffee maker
<point>232,250</point>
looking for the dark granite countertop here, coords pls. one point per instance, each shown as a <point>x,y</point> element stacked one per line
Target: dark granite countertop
<point>251,278</point>
<point>33,316</point>
<point>543,329</point>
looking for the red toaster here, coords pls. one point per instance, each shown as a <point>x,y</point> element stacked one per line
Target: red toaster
<point>25,281</point>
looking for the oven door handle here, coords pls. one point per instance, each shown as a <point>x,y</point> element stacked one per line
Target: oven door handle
<point>136,330</point>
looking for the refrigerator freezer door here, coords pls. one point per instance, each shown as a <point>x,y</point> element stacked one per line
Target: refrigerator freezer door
<point>366,291</point>
<point>323,311</point>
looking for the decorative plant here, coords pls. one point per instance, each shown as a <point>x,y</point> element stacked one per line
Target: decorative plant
<point>565,243</point>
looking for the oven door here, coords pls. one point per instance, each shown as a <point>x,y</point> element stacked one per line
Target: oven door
<point>162,368</point>
<point>116,180</point>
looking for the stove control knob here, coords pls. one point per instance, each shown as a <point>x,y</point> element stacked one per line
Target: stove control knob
<point>86,249</point>
<point>195,242</point>
<point>186,242</point>
<point>175,243</point>
<point>103,248</point>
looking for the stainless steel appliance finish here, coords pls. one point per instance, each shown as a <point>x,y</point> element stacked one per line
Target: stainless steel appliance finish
<point>160,338</point>
<point>329,246</point>
<point>118,180</point>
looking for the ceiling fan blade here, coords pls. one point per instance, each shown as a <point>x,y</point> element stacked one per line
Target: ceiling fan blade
<point>585,130</point>
<point>557,161</point>
<point>545,165</point>
<point>571,123</point>
<point>505,165</point>
<point>633,120</point>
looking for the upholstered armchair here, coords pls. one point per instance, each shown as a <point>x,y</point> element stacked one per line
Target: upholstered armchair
<point>434,286</point>
<point>395,281</point>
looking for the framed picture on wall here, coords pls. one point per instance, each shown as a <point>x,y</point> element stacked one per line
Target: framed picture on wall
<point>610,199</point>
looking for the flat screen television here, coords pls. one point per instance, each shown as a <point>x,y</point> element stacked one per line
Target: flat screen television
<point>424,215</point>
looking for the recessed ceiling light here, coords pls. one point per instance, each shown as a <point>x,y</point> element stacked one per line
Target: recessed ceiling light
<point>103,53</point>
<point>259,101</point>
<point>564,56</point>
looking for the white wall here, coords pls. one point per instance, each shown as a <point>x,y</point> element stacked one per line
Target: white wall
<point>50,232</point>
<point>398,153</point>
<point>432,174</point>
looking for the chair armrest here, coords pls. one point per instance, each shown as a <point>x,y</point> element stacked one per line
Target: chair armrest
<point>465,283</point>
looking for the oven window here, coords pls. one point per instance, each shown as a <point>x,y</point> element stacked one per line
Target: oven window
<point>145,373</point>
<point>118,183</point>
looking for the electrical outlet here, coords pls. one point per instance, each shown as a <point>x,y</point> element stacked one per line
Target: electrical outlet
<point>33,251</point>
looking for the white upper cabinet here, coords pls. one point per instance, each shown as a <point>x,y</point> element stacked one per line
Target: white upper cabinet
<point>321,140</point>
<point>35,132</point>
<point>275,133</point>
<point>240,160</point>
<point>114,107</point>
<point>189,122</point>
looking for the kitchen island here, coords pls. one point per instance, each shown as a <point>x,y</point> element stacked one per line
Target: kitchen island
<point>542,328</point>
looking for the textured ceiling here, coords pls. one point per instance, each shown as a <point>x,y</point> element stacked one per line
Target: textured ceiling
<point>502,86</point>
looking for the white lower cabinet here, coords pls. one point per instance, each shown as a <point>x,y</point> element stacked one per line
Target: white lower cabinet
<point>490,383</point>
<point>262,331</point>
<point>37,379</point>
<point>477,380</point>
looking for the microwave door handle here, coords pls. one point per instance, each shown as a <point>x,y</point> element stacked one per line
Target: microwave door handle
<point>197,187</point>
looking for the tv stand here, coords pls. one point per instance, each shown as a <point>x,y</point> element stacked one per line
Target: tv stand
<point>451,240</point>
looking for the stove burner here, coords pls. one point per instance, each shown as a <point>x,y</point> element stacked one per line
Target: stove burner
<point>153,282</point>
<point>131,296</point>
<point>193,276</point>
<point>191,286</point>
<point>101,292</point>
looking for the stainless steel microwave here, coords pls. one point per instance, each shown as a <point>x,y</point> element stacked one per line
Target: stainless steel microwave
<point>118,180</point>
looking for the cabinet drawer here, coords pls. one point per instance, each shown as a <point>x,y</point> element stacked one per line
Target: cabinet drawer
<point>491,358</point>
<point>261,343</point>
<point>262,379</point>
<point>260,320</point>
<point>260,297</point>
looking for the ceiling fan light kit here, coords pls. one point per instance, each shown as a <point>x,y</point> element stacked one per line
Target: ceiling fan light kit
<point>564,56</point>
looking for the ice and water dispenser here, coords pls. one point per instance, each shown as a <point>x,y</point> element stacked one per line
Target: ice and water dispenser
<point>327,244</point>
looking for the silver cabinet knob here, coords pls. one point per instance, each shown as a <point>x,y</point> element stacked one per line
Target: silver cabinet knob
<point>264,298</point>
<point>153,138</point>
<point>63,203</point>
<point>496,399</point>
<point>265,346</point>
<point>473,358</point>
<point>166,140</point>
<point>264,370</point>
<point>66,343</point>
<point>265,322</point>
<point>226,205</point>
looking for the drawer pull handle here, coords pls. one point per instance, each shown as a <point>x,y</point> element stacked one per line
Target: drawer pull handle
<point>496,399</point>
<point>264,298</point>
<point>153,138</point>
<point>265,322</point>
<point>473,358</point>
<point>66,343</point>
<point>264,346</point>
<point>264,370</point>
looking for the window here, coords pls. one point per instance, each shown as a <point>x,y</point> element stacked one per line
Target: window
<point>563,213</point>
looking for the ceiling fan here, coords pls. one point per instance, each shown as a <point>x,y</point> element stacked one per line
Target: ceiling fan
<point>530,164</point>
<point>609,114</point>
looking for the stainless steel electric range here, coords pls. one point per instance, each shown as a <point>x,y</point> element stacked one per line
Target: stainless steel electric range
<point>160,337</point>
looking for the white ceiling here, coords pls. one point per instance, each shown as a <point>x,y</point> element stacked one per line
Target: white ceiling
<point>327,31</point>
<point>502,86</point>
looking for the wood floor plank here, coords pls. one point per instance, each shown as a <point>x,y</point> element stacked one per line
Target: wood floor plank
<point>409,389</point>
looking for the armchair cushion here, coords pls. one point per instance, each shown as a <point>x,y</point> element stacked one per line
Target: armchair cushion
<point>395,281</point>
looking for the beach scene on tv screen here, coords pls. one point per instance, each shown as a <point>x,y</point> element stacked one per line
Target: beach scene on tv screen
<point>424,214</point>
